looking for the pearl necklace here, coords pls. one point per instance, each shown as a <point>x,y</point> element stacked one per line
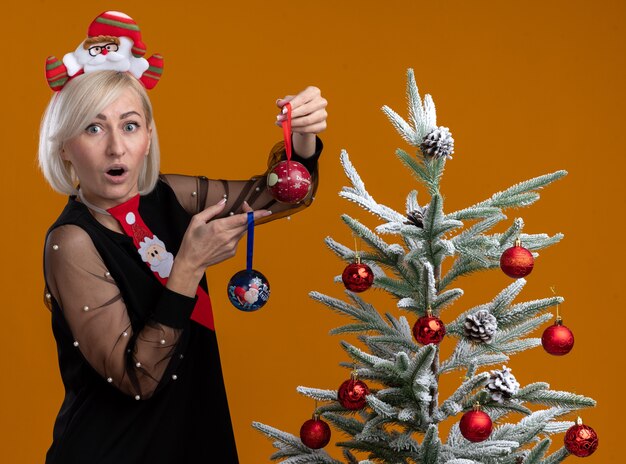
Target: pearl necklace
<point>90,206</point>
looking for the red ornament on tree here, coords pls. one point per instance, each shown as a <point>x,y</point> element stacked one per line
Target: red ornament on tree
<point>315,433</point>
<point>357,277</point>
<point>476,425</point>
<point>517,261</point>
<point>429,329</point>
<point>581,440</point>
<point>352,393</point>
<point>289,182</point>
<point>557,339</point>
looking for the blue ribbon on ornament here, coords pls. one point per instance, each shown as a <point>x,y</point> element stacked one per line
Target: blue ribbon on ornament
<point>250,240</point>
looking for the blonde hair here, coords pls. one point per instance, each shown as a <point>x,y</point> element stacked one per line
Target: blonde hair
<point>72,109</point>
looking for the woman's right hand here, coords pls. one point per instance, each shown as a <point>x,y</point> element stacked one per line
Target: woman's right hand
<point>206,242</point>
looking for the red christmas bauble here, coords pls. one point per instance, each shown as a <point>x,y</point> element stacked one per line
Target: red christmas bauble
<point>581,440</point>
<point>352,394</point>
<point>517,261</point>
<point>429,329</point>
<point>476,425</point>
<point>357,277</point>
<point>315,433</point>
<point>557,339</point>
<point>289,182</point>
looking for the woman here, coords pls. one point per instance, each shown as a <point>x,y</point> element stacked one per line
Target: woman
<point>130,307</point>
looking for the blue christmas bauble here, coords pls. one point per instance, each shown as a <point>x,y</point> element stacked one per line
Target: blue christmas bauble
<point>248,290</point>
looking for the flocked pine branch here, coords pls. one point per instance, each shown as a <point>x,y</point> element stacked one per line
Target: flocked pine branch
<point>556,457</point>
<point>519,195</point>
<point>541,394</point>
<point>358,194</point>
<point>429,173</point>
<point>423,114</point>
<point>291,448</point>
<point>400,422</point>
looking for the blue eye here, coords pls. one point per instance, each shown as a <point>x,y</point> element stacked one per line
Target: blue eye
<point>131,126</point>
<point>93,129</point>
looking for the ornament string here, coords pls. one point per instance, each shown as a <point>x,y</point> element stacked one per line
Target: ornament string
<point>287,131</point>
<point>250,240</point>
<point>357,255</point>
<point>558,315</point>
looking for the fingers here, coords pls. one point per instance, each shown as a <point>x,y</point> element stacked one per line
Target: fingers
<point>240,221</point>
<point>212,238</point>
<point>281,102</point>
<point>246,207</point>
<point>308,101</point>
<point>310,129</point>
<point>257,214</point>
<point>310,95</point>
<point>308,111</point>
<point>235,220</point>
<point>314,118</point>
<point>312,123</point>
<point>211,211</point>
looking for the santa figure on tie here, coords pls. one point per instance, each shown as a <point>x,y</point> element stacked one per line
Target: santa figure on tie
<point>153,252</point>
<point>113,43</point>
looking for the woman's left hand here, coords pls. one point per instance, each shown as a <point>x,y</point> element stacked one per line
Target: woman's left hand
<point>308,118</point>
<point>308,111</point>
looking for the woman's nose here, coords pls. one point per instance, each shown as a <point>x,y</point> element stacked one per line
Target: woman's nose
<point>116,145</point>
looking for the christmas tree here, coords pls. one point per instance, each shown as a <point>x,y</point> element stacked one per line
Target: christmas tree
<point>389,410</point>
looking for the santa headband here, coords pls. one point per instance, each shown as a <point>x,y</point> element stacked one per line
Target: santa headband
<point>113,43</point>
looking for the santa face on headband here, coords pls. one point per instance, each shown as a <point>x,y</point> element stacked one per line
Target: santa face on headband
<point>113,43</point>
<point>105,53</point>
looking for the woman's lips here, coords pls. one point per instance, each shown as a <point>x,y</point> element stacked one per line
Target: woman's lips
<point>112,176</point>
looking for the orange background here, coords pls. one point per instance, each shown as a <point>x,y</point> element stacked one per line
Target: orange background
<point>526,88</point>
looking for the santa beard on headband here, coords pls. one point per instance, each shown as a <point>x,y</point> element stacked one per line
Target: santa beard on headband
<point>121,60</point>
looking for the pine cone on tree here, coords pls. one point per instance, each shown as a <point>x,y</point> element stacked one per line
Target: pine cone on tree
<point>438,143</point>
<point>502,385</point>
<point>416,217</point>
<point>481,326</point>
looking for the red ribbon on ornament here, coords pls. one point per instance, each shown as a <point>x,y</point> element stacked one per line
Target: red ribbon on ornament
<point>287,131</point>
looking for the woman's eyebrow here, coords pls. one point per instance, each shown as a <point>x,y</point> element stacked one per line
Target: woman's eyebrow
<point>122,116</point>
<point>128,113</point>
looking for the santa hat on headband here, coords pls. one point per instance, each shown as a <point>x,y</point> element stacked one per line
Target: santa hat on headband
<point>127,53</point>
<point>117,24</point>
